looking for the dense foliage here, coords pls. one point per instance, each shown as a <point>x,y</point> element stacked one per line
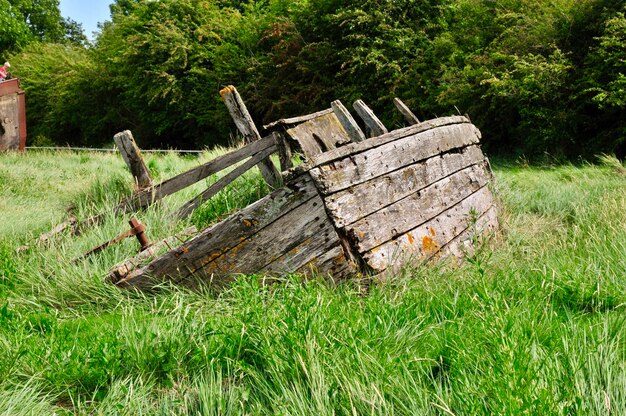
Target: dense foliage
<point>539,76</point>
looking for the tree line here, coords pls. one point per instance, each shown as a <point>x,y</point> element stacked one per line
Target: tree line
<point>537,76</point>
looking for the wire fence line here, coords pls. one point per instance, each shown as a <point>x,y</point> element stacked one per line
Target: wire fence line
<point>113,149</point>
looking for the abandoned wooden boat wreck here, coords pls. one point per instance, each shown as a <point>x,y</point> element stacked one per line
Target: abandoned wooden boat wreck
<point>355,205</point>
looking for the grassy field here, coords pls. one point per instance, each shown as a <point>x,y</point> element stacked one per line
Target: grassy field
<point>534,323</point>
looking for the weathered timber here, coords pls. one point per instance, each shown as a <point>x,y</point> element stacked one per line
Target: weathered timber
<point>69,224</point>
<point>297,120</point>
<point>181,262</point>
<point>402,216</point>
<point>347,121</point>
<point>349,205</point>
<point>170,186</point>
<point>406,113</point>
<point>132,156</point>
<point>285,154</point>
<point>245,125</point>
<point>353,148</point>
<point>374,126</point>
<point>464,245</point>
<point>222,183</point>
<point>319,135</point>
<point>427,239</point>
<point>363,166</point>
<point>121,271</point>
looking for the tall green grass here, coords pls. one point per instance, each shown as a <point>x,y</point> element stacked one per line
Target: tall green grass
<point>532,324</point>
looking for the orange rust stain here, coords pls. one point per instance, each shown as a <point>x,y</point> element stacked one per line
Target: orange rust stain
<point>361,235</point>
<point>249,223</point>
<point>411,239</point>
<point>429,245</point>
<point>432,231</point>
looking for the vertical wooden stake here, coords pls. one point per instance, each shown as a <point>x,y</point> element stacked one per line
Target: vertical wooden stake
<point>245,125</point>
<point>284,151</point>
<point>408,114</point>
<point>347,121</point>
<point>132,156</point>
<point>374,126</point>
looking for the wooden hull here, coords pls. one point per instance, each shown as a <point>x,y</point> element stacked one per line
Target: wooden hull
<point>408,195</point>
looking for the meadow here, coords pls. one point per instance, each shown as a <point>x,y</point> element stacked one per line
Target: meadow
<point>532,323</point>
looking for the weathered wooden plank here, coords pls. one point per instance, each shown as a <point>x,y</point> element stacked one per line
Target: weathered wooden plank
<point>427,239</point>
<point>223,182</point>
<point>245,125</point>
<point>406,113</point>
<point>352,148</point>
<point>220,238</point>
<point>364,166</point>
<point>319,135</point>
<point>347,121</point>
<point>148,196</point>
<point>285,155</point>
<point>374,126</point>
<point>132,156</point>
<point>351,204</point>
<point>408,213</point>
<point>122,270</point>
<point>297,120</point>
<point>331,262</point>
<point>270,244</point>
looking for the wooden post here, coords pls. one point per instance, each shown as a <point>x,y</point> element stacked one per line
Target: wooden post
<point>374,126</point>
<point>132,156</point>
<point>245,125</point>
<point>284,151</point>
<point>347,121</point>
<point>408,114</point>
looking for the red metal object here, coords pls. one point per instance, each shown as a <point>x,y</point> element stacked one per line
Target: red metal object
<point>12,116</point>
<point>137,229</point>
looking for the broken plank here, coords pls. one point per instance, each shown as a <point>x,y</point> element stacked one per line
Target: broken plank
<point>367,165</point>
<point>297,120</point>
<point>170,186</point>
<point>426,240</point>
<point>132,156</point>
<point>352,204</point>
<point>374,126</point>
<point>245,125</point>
<point>408,213</point>
<point>406,113</point>
<point>347,121</point>
<point>285,154</point>
<point>223,182</point>
<point>319,135</point>
<point>220,238</point>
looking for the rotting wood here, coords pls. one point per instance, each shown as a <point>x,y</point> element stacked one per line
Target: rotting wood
<point>407,213</point>
<point>121,271</point>
<point>132,156</point>
<point>406,113</point>
<point>363,166</point>
<point>319,135</point>
<point>464,245</point>
<point>374,126</point>
<point>170,186</point>
<point>347,121</point>
<point>223,182</point>
<point>349,205</point>
<point>285,155</point>
<point>69,224</point>
<point>245,125</point>
<point>427,239</point>
<point>220,238</point>
<point>297,120</point>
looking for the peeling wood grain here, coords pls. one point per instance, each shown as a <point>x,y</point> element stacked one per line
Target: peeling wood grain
<point>408,213</point>
<point>427,239</point>
<point>132,156</point>
<point>352,204</point>
<point>372,163</point>
<point>406,113</point>
<point>297,120</point>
